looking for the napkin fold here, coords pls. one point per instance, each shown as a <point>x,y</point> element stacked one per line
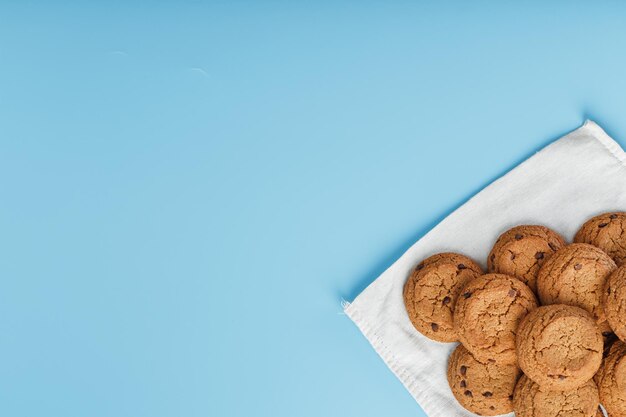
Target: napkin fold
<point>577,176</point>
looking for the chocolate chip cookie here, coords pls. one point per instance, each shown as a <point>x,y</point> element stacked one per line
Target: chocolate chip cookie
<point>487,314</point>
<point>484,388</point>
<point>530,400</point>
<point>611,381</point>
<point>559,347</point>
<point>608,232</point>
<point>431,291</point>
<point>614,301</point>
<point>575,275</point>
<point>522,250</point>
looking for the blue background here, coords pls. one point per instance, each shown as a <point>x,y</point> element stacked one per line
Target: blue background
<point>189,189</point>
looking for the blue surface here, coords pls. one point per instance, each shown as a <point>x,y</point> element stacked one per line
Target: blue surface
<point>188,189</point>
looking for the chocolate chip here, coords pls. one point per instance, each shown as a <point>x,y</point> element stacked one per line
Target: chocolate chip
<point>601,225</point>
<point>461,266</point>
<point>552,246</point>
<point>492,407</point>
<point>613,216</point>
<point>435,327</point>
<point>512,293</point>
<point>562,377</point>
<point>512,256</point>
<point>463,370</point>
<point>539,255</point>
<point>511,397</point>
<point>487,394</point>
<point>418,267</point>
<point>468,393</point>
<point>467,295</point>
<point>608,291</point>
<point>518,237</point>
<point>491,360</point>
<point>577,266</point>
<point>446,301</point>
<point>463,384</point>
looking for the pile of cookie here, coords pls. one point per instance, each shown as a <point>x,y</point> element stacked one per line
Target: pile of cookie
<point>543,332</point>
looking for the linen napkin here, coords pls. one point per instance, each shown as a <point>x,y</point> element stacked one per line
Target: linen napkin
<point>578,176</point>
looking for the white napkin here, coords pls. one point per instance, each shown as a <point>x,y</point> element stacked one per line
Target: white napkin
<point>578,176</point>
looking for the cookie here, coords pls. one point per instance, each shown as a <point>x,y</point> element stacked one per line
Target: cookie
<point>608,232</point>
<point>487,314</point>
<point>530,400</point>
<point>608,350</point>
<point>431,291</point>
<point>575,275</point>
<point>559,347</point>
<point>611,381</point>
<point>522,250</point>
<point>484,388</point>
<point>614,301</point>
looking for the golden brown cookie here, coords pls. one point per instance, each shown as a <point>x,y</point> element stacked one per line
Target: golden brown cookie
<point>522,250</point>
<point>431,291</point>
<point>614,301</point>
<point>487,314</point>
<point>484,388</point>
<point>575,275</point>
<point>608,349</point>
<point>559,347</point>
<point>611,381</point>
<point>530,400</point>
<point>608,232</point>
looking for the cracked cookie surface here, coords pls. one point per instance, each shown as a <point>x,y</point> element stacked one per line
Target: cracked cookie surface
<point>482,388</point>
<point>614,301</point>
<point>611,380</point>
<point>522,250</point>
<point>530,400</point>
<point>575,275</point>
<point>431,291</point>
<point>559,347</point>
<point>487,314</point>
<point>608,232</point>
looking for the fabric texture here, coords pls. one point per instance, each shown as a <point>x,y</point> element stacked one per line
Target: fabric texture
<point>576,177</point>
